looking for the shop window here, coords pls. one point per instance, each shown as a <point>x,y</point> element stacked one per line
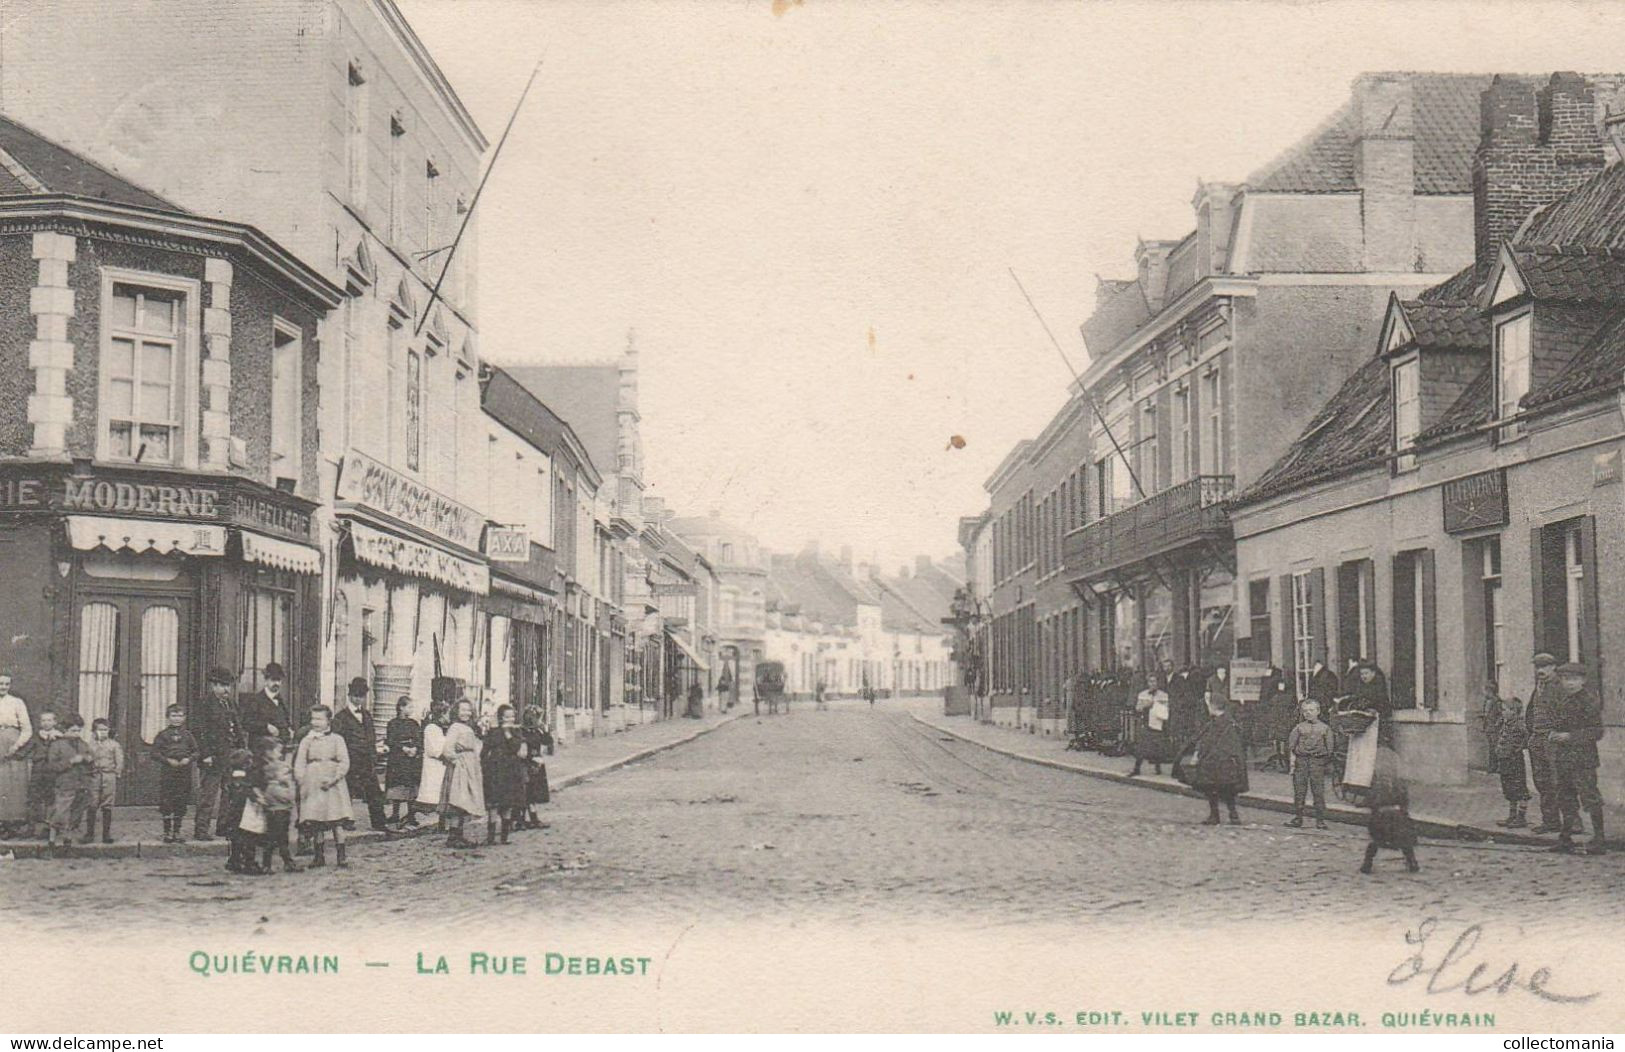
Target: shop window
<point>1159,626</point>
<point>1565,590</point>
<point>160,667</point>
<point>267,619</point>
<point>1356,610</point>
<point>98,659</point>
<point>1412,682</point>
<point>149,347</point>
<point>341,644</point>
<point>1215,631</point>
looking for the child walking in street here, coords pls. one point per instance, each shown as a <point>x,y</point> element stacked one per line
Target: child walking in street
<point>68,760</point>
<point>1389,801</point>
<point>1511,739</point>
<point>1310,746</point>
<point>106,764</point>
<point>176,752</point>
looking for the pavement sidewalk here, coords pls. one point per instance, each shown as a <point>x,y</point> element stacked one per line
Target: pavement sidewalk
<point>1466,812</point>
<point>139,832</point>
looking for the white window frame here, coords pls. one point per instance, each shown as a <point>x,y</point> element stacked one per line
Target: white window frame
<point>1573,590</point>
<point>1303,628</point>
<point>1507,394</point>
<point>187,367</point>
<point>1407,410</point>
<point>1212,446</point>
<point>1490,575</point>
<point>294,459</point>
<point>1179,458</point>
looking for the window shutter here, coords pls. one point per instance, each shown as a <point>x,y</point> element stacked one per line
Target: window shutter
<point>1537,591</point>
<point>1430,647</point>
<point>1317,612</point>
<point>1368,577</point>
<point>1289,662</point>
<point>1590,628</point>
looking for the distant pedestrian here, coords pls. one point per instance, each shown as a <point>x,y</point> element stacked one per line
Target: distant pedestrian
<point>217,726</point>
<point>1279,702</point>
<point>404,769</point>
<point>504,772</point>
<point>319,769</point>
<point>1539,717</point>
<point>106,765</point>
<point>1310,745</point>
<point>1151,744</point>
<point>538,747</point>
<point>16,732</point>
<point>432,780</point>
<point>1219,761</point>
<point>1511,739</point>
<point>176,752</point>
<point>69,762</point>
<point>464,792</point>
<point>1390,825</point>
<point>1576,729</point>
<point>353,722</point>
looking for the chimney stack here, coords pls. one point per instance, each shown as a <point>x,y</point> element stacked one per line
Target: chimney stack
<point>1535,145</point>
<point>1385,170</point>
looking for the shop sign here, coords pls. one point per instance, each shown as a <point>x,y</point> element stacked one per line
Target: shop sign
<point>1605,468</point>
<point>674,588</point>
<point>418,560</point>
<point>1247,679</point>
<point>232,502</point>
<point>504,545</point>
<point>365,481</point>
<point>1476,502</point>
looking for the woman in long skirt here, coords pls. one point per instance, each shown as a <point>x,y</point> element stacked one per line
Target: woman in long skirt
<point>320,767</point>
<point>16,731</point>
<point>404,769</point>
<point>464,788</point>
<point>538,746</point>
<point>503,758</point>
<point>433,776</point>
<point>1151,741</point>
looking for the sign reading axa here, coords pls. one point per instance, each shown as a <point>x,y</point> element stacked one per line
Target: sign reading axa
<point>379,487</point>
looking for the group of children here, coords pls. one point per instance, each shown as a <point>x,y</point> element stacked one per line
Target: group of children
<point>72,780</point>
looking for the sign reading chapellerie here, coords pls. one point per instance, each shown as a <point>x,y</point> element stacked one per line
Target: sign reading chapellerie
<point>1475,502</point>
<point>233,501</point>
<point>365,481</point>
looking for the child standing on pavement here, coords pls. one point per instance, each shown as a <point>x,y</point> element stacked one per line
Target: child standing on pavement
<point>1511,739</point>
<point>272,789</point>
<point>1310,746</point>
<point>107,763</point>
<point>176,751</point>
<point>68,760</point>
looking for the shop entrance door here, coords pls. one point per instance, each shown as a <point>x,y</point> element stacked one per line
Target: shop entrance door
<point>136,652</point>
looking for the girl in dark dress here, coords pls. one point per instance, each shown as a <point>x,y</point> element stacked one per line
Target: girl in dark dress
<point>1219,769</point>
<point>538,746</point>
<point>404,738</point>
<point>503,757</point>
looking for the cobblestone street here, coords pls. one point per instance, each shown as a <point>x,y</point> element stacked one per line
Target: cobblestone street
<point>851,815</point>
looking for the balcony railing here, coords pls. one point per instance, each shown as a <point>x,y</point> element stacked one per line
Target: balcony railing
<point>1188,513</point>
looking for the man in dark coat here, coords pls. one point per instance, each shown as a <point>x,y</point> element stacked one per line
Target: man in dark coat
<point>1538,719</point>
<point>265,715</point>
<point>217,726</point>
<point>353,722</point>
<point>1576,728</point>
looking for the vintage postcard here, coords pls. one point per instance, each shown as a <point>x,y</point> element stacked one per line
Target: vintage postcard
<point>991,516</point>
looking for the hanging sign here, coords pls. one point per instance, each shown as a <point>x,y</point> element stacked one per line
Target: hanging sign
<point>505,545</point>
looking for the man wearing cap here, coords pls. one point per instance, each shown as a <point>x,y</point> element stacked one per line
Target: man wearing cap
<point>1576,728</point>
<point>1539,718</point>
<point>353,722</point>
<point>265,714</point>
<point>217,726</point>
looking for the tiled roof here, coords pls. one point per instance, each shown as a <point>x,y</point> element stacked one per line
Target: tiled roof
<point>1601,364</point>
<point>33,164</point>
<point>1119,310</point>
<point>1470,409</point>
<point>1447,326</point>
<point>1586,217</point>
<point>1445,113</point>
<point>1461,287</point>
<point>587,397</point>
<point>1573,275</point>
<point>1352,431</point>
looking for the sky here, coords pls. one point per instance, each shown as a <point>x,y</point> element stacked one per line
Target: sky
<point>808,212</point>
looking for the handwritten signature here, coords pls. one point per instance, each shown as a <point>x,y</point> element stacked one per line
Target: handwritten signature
<point>1463,969</point>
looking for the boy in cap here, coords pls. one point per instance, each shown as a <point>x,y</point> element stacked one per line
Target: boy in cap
<point>1576,727</point>
<point>176,751</point>
<point>217,725</point>
<point>69,762</point>
<point>1538,718</point>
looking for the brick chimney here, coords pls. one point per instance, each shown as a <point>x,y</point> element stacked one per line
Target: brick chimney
<point>1214,205</point>
<point>1385,170</point>
<point>1151,258</point>
<point>1536,144</point>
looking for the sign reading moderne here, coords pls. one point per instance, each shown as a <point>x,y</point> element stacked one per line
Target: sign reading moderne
<point>365,481</point>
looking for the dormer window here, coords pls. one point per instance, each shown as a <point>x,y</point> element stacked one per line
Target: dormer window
<point>1407,387</point>
<point>1511,369</point>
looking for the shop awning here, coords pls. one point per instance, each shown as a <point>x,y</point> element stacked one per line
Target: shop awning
<point>686,649</point>
<point>280,555</point>
<point>88,532</point>
<point>419,560</point>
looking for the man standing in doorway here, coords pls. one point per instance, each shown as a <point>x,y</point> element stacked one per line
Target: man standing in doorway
<point>264,714</point>
<point>353,722</point>
<point>1540,716</point>
<point>1576,728</point>
<point>217,726</point>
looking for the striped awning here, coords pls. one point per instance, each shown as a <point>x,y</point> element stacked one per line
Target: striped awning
<point>280,555</point>
<point>88,532</point>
